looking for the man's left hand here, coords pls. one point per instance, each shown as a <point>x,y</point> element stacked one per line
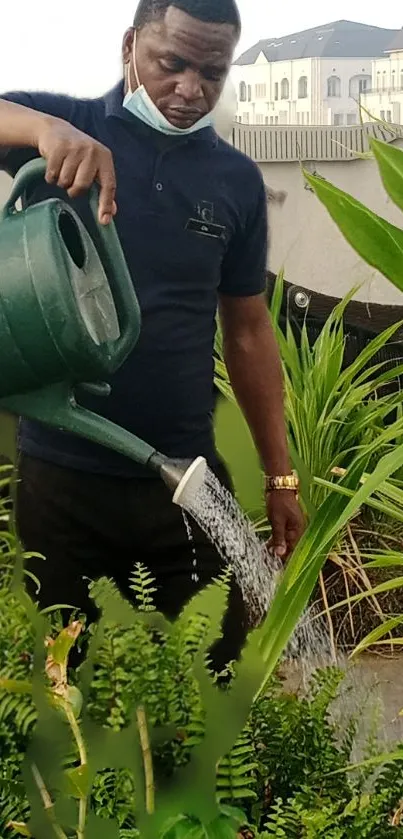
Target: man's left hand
<point>287,521</point>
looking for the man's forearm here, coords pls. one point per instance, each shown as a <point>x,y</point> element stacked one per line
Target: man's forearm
<point>20,126</point>
<point>255,371</point>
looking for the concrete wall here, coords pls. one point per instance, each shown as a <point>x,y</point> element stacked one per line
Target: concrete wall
<point>5,182</point>
<point>307,243</point>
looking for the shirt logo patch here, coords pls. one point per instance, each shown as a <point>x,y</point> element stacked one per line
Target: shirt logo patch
<point>203,222</point>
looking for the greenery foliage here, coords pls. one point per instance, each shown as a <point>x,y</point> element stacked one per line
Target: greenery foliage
<point>285,776</point>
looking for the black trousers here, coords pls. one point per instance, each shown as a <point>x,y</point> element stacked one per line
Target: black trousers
<point>90,526</point>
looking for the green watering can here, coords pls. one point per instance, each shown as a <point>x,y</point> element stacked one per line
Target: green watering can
<point>69,317</point>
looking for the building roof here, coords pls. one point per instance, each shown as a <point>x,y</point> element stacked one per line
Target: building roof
<point>397,44</point>
<point>341,39</point>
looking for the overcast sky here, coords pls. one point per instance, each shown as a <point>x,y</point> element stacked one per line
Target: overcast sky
<point>74,47</point>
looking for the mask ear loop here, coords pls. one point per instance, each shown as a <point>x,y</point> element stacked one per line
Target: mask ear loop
<point>136,75</point>
<point>127,67</point>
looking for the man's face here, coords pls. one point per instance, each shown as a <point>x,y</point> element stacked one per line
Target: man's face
<point>183,63</point>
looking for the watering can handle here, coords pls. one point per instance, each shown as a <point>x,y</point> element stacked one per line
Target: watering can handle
<point>110,252</point>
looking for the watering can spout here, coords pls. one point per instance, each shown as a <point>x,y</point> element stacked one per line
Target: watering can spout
<point>184,478</point>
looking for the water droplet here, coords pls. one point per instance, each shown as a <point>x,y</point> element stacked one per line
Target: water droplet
<point>195,577</point>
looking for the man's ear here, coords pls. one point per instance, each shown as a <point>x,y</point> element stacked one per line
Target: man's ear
<point>127,46</point>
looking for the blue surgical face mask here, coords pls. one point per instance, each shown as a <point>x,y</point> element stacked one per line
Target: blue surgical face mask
<point>140,104</point>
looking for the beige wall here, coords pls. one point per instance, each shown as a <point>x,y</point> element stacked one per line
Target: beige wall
<point>5,182</point>
<point>306,242</point>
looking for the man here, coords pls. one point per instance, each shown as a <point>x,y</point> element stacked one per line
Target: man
<point>191,215</point>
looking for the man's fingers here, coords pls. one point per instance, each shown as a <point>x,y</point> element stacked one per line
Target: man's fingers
<point>278,537</point>
<point>68,173</point>
<point>107,181</point>
<point>84,178</point>
<point>54,165</point>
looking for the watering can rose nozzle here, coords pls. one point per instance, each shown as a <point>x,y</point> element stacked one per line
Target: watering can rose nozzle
<point>184,478</point>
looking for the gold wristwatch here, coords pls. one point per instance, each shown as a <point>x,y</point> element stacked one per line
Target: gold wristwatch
<point>282,482</point>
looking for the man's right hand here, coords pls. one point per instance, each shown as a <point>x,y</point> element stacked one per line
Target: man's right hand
<point>75,161</point>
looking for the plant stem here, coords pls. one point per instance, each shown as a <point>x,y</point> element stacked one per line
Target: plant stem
<point>47,802</point>
<point>82,750</point>
<point>147,760</point>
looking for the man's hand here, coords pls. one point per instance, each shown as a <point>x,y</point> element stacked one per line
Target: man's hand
<point>75,161</point>
<point>287,521</point>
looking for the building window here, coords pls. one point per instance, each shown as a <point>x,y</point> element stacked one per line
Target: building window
<point>276,90</point>
<point>393,79</point>
<point>259,119</point>
<point>266,120</point>
<point>245,117</point>
<point>352,119</point>
<point>386,116</point>
<point>378,80</point>
<point>242,92</point>
<point>285,89</point>
<point>275,120</point>
<point>307,117</point>
<point>249,93</point>
<point>260,91</point>
<point>358,85</point>
<point>333,87</point>
<point>302,87</point>
<point>384,80</point>
<point>338,119</point>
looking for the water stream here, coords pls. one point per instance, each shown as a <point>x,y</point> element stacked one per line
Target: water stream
<point>256,571</point>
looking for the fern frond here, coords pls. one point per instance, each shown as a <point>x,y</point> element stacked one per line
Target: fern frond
<point>142,583</point>
<point>236,773</point>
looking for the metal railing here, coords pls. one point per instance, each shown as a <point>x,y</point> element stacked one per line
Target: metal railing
<point>271,144</point>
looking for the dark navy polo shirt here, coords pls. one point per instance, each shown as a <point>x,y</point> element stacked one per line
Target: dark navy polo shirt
<point>164,391</point>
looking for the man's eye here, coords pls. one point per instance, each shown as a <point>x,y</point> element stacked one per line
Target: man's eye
<point>213,75</point>
<point>171,66</point>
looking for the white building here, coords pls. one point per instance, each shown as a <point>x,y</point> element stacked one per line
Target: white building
<point>385,98</point>
<point>313,77</point>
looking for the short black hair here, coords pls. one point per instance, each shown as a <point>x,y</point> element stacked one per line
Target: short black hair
<point>210,11</point>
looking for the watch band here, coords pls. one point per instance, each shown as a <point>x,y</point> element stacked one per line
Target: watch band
<point>282,482</point>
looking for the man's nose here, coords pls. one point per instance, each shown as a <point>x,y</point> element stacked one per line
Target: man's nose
<point>189,86</point>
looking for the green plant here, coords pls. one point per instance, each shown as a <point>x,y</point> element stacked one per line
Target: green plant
<point>331,412</point>
<point>190,793</point>
<point>376,240</point>
<point>381,245</point>
<point>287,767</point>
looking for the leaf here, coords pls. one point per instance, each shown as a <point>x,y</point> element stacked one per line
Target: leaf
<point>20,827</point>
<point>14,686</point>
<point>60,648</point>
<point>390,163</point>
<point>377,633</point>
<point>302,570</point>
<point>78,782</point>
<point>377,241</point>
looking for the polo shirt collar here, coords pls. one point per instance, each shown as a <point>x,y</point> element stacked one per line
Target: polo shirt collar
<point>113,101</point>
